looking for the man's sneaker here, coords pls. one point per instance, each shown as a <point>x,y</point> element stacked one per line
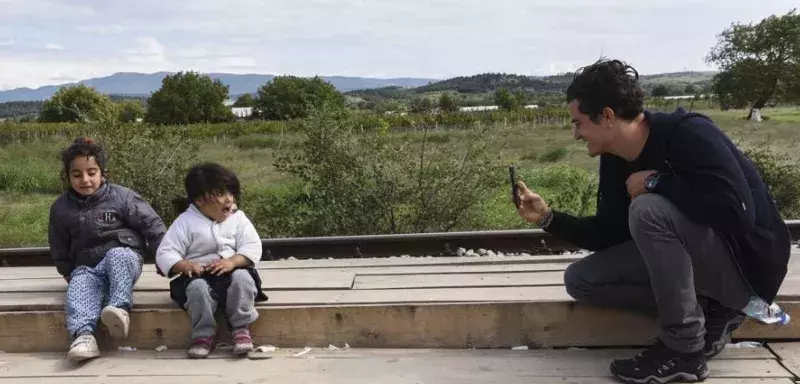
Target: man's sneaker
<point>720,324</point>
<point>116,320</point>
<point>82,348</point>
<point>201,347</point>
<point>242,342</point>
<point>659,364</point>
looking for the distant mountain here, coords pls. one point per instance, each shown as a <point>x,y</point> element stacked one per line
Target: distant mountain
<point>142,84</point>
<point>480,88</point>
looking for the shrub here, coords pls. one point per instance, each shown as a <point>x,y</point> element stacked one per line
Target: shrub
<point>554,155</point>
<point>365,183</point>
<point>782,177</point>
<point>151,161</point>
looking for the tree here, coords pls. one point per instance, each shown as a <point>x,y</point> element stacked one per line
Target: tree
<point>130,110</point>
<point>660,91</point>
<point>505,100</point>
<point>77,103</point>
<point>420,105</point>
<point>292,97</point>
<point>758,62</point>
<point>690,89</point>
<point>246,100</point>
<point>447,103</point>
<point>522,98</point>
<point>188,98</point>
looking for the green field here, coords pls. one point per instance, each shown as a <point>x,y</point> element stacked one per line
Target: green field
<point>546,156</point>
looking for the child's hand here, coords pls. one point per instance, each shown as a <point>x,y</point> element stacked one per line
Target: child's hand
<point>188,268</point>
<point>221,266</point>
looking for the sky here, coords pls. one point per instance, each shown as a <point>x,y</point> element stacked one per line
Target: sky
<point>45,42</point>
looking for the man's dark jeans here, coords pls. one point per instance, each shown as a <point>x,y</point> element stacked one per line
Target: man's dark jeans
<point>670,261</point>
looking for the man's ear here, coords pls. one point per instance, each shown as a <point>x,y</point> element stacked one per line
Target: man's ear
<point>608,116</point>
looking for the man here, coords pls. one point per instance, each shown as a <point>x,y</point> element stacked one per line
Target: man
<point>683,219</point>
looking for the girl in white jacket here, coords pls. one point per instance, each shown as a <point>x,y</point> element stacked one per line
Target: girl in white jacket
<point>214,247</point>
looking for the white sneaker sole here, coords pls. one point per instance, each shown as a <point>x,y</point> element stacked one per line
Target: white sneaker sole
<point>115,322</point>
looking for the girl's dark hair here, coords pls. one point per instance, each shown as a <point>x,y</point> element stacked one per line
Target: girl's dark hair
<point>86,147</point>
<point>210,179</point>
<point>607,83</point>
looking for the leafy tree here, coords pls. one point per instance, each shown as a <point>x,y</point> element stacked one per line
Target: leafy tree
<point>130,110</point>
<point>758,62</point>
<point>77,103</point>
<point>447,103</point>
<point>292,97</point>
<point>420,105</point>
<point>188,98</point>
<point>505,100</point>
<point>246,100</point>
<point>660,91</point>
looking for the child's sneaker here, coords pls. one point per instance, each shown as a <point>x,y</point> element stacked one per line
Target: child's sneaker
<point>82,348</point>
<point>117,321</point>
<point>201,347</point>
<point>242,342</point>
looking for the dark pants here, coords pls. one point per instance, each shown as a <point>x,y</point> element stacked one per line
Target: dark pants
<point>670,262</point>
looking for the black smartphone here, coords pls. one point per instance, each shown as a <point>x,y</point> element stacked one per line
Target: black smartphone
<point>514,191</point>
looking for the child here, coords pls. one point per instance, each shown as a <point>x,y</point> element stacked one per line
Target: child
<point>98,232</point>
<point>214,247</point>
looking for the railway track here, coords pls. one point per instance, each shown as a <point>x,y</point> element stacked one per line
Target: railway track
<point>532,241</point>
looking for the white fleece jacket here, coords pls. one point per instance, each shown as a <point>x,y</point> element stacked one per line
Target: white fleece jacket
<point>195,237</point>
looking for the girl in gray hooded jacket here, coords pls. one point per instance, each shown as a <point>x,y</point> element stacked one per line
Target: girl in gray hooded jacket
<point>98,234</point>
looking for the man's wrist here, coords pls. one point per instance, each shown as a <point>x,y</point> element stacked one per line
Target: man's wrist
<point>545,221</point>
<point>651,182</point>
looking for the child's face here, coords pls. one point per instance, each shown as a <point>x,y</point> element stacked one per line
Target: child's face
<point>85,175</point>
<point>219,207</point>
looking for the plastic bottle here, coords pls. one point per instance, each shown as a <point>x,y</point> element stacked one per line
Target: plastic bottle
<point>758,309</point>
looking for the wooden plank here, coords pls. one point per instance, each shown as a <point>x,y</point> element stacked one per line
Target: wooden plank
<point>788,354</point>
<point>516,279</point>
<point>440,325</point>
<point>16,273</point>
<point>353,366</point>
<point>271,280</point>
<point>37,301</point>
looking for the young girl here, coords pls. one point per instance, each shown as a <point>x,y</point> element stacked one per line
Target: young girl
<point>214,247</point>
<point>98,234</point>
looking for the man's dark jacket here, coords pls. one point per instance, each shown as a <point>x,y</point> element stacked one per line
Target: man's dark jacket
<point>709,180</point>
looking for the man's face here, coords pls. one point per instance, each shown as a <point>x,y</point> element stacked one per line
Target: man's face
<point>596,135</point>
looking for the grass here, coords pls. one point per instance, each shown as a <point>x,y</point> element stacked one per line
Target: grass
<point>29,170</point>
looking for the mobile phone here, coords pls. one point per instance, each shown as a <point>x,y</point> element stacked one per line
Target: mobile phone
<point>514,191</point>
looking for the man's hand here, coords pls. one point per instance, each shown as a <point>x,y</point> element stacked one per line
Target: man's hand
<point>222,266</point>
<point>635,183</point>
<point>532,207</point>
<point>188,268</point>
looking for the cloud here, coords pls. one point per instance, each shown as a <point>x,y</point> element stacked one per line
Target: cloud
<point>435,38</point>
<point>102,29</point>
<point>146,50</point>
<point>53,47</point>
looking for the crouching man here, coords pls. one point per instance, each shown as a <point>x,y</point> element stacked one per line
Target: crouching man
<point>685,228</point>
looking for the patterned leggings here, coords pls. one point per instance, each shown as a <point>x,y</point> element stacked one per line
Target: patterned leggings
<point>113,279</point>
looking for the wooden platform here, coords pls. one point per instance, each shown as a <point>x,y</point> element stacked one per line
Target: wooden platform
<point>478,302</point>
<point>368,366</point>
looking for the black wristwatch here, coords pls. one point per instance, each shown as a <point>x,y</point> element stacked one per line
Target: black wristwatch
<point>651,182</point>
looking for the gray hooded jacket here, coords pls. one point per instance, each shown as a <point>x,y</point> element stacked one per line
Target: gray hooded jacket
<point>83,229</point>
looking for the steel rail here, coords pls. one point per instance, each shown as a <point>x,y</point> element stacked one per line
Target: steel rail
<point>531,241</point>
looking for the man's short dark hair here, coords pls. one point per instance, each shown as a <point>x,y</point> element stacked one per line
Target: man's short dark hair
<point>210,179</point>
<point>607,83</point>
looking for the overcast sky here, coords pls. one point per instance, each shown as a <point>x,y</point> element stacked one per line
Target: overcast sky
<point>51,42</point>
